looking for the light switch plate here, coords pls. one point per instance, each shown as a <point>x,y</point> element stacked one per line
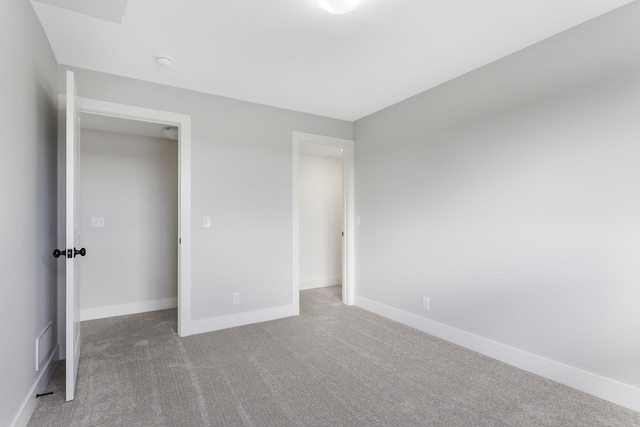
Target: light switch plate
<point>206,221</point>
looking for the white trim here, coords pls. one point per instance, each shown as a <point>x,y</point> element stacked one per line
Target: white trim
<point>320,283</point>
<point>126,309</point>
<point>40,339</point>
<point>30,402</point>
<point>295,225</point>
<point>183,122</point>
<point>348,252</point>
<point>240,319</point>
<point>596,385</point>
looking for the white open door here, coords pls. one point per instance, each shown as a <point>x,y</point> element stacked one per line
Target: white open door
<point>72,238</point>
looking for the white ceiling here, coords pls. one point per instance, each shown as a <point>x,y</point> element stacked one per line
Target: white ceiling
<point>294,55</point>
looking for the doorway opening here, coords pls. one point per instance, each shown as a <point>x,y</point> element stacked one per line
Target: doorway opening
<point>305,231</point>
<point>129,216</point>
<point>182,122</point>
<point>321,216</point>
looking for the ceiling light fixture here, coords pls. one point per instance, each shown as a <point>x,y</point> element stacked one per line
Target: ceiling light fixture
<point>164,60</point>
<point>339,6</point>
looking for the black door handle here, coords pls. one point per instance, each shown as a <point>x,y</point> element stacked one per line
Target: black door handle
<point>65,253</point>
<point>81,252</point>
<point>57,253</point>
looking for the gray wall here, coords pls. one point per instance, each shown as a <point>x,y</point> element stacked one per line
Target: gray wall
<point>132,182</point>
<point>28,193</point>
<point>241,177</point>
<point>509,197</point>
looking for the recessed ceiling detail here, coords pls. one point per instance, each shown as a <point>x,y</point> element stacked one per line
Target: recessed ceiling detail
<point>294,55</point>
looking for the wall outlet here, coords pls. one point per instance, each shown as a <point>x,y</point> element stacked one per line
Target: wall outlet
<point>97,222</point>
<point>426,303</point>
<point>236,298</point>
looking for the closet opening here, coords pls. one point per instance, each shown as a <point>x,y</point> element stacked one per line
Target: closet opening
<point>129,203</point>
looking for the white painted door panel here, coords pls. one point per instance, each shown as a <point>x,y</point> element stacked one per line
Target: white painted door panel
<point>73,240</point>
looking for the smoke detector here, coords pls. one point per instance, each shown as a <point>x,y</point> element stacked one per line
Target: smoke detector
<point>164,60</point>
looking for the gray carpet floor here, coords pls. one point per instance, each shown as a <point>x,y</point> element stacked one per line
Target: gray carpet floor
<point>331,366</point>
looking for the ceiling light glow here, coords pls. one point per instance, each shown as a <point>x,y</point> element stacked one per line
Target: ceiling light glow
<point>339,7</point>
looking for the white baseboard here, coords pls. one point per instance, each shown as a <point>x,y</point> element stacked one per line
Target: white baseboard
<point>125,309</point>
<point>233,320</point>
<point>320,283</point>
<point>596,385</point>
<point>30,402</point>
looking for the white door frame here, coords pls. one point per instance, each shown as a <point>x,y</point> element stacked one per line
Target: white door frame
<point>348,247</point>
<point>183,122</point>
